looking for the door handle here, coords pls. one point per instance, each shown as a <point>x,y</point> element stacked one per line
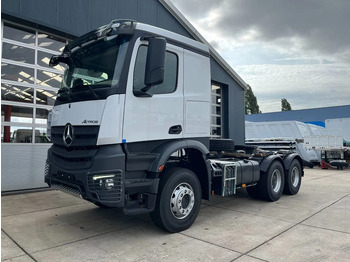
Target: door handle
<point>175,130</point>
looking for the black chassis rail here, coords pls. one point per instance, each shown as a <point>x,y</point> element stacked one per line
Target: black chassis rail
<point>266,158</point>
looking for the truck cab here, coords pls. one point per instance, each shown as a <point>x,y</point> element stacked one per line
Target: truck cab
<point>131,127</point>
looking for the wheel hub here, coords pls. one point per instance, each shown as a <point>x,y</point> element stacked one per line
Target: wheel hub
<point>182,201</point>
<point>276,180</point>
<point>295,176</point>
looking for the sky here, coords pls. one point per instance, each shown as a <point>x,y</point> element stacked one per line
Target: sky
<point>293,49</point>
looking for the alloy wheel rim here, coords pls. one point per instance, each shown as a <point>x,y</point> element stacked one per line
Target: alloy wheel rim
<point>276,180</point>
<point>182,201</point>
<point>295,176</point>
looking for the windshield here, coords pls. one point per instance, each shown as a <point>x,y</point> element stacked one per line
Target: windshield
<point>93,68</point>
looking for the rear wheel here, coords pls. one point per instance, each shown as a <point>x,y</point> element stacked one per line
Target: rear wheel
<point>178,201</point>
<point>270,185</point>
<point>293,178</point>
<point>273,182</point>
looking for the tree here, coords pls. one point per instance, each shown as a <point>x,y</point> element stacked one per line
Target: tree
<point>285,105</point>
<point>251,103</point>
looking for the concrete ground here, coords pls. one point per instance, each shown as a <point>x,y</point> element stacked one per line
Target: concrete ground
<point>313,225</point>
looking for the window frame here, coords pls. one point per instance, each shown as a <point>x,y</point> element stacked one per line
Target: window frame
<point>177,71</point>
<point>214,105</point>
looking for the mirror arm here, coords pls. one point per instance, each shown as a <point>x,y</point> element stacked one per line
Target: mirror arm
<point>142,93</point>
<point>146,88</point>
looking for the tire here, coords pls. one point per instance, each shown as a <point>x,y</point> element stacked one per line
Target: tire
<point>271,184</point>
<point>293,178</point>
<point>221,145</point>
<point>177,186</point>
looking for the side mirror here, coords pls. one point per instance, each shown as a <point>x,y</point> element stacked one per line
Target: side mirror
<point>154,74</point>
<point>56,59</point>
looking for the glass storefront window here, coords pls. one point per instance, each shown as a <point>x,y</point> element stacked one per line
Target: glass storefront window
<point>26,85</point>
<point>40,136</point>
<point>215,121</point>
<point>16,93</point>
<point>44,59</point>
<point>18,53</point>
<point>215,131</point>
<point>16,134</point>
<point>19,34</point>
<point>46,78</point>
<point>216,111</point>
<point>45,97</point>
<point>17,73</point>
<point>41,116</point>
<point>17,114</point>
<point>51,42</point>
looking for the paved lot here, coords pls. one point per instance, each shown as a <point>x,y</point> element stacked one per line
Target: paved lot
<point>311,226</point>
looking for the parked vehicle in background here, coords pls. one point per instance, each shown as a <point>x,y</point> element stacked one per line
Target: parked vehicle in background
<point>284,135</point>
<point>333,144</point>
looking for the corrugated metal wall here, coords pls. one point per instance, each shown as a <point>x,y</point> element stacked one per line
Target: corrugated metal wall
<point>22,166</point>
<point>80,16</point>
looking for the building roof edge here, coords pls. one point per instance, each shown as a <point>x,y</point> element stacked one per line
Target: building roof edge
<point>190,28</point>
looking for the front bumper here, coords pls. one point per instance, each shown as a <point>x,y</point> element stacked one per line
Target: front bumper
<point>108,160</point>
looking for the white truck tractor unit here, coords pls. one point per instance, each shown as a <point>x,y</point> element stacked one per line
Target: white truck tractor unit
<point>131,129</point>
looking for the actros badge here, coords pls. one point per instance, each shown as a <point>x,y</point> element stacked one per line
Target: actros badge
<point>68,135</point>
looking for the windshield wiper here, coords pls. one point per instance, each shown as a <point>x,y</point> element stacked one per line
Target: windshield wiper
<point>93,92</point>
<point>78,87</point>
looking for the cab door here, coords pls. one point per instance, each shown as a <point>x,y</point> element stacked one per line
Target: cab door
<point>159,116</point>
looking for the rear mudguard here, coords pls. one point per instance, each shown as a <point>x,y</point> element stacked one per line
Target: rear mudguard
<point>288,160</point>
<point>266,163</point>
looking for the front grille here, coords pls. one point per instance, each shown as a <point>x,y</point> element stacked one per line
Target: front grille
<point>80,154</point>
<point>79,158</point>
<point>113,194</point>
<point>82,136</point>
<point>67,189</point>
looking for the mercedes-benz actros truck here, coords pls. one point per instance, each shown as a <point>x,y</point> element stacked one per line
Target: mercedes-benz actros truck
<point>131,129</point>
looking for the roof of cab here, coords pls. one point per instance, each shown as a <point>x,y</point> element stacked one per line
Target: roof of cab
<point>174,36</point>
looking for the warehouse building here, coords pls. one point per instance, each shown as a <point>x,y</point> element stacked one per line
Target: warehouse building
<point>316,116</point>
<point>33,31</point>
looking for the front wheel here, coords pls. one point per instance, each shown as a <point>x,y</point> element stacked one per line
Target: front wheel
<point>178,201</point>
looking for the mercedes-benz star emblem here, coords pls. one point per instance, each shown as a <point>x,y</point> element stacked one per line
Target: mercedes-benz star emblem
<point>68,135</point>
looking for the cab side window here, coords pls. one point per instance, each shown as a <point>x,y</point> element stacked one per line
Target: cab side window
<point>170,75</point>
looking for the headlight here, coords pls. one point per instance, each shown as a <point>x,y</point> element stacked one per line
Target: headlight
<point>104,181</point>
